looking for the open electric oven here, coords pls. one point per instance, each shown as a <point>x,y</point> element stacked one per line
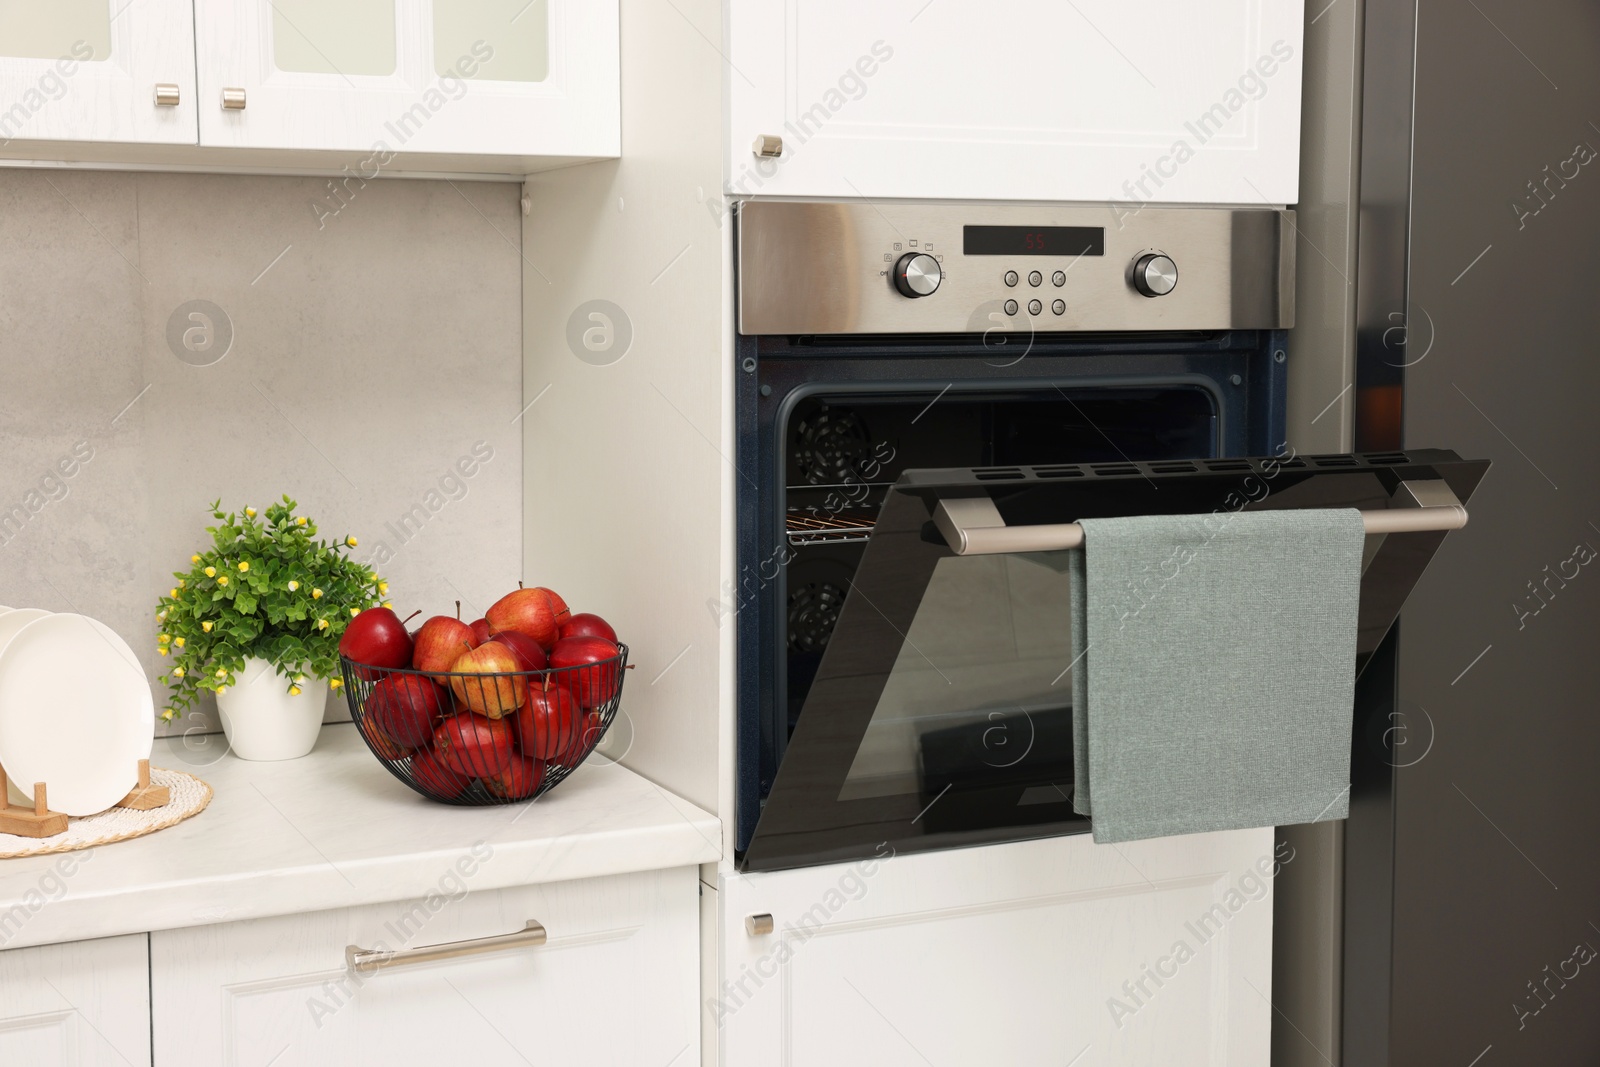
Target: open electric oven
<point>927,395</point>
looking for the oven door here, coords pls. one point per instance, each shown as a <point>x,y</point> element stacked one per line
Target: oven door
<point>941,712</point>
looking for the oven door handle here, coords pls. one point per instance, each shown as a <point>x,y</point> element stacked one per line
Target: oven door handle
<point>972,525</point>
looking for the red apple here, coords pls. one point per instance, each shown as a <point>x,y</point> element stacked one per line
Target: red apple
<point>484,690</point>
<point>376,638</point>
<point>382,745</point>
<point>435,778</point>
<point>480,633</point>
<point>473,745</point>
<point>548,723</point>
<point>593,685</point>
<point>527,611</point>
<point>584,740</point>
<point>439,642</point>
<point>586,624</point>
<point>556,603</point>
<point>405,707</point>
<point>518,781</point>
<point>529,653</point>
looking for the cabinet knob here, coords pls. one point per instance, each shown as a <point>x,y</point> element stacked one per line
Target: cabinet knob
<point>166,94</point>
<point>758,925</point>
<point>233,99</point>
<point>768,146</point>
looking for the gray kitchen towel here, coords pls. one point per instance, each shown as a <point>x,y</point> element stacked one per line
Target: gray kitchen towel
<point>1214,670</point>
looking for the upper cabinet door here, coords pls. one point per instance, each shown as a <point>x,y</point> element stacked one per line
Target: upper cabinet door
<point>1098,100</point>
<point>88,70</point>
<point>499,77</point>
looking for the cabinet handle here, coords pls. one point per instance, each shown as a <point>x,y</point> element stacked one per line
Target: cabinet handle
<point>166,94</point>
<point>371,960</point>
<point>233,99</point>
<point>758,925</point>
<point>768,146</point>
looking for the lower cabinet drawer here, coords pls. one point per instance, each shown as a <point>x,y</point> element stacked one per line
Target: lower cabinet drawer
<point>614,983</point>
<point>80,1004</point>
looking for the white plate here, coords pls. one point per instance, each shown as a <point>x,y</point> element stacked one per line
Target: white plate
<point>20,617</point>
<point>75,711</point>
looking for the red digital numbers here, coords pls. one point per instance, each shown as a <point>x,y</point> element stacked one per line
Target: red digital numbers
<point>1033,242</point>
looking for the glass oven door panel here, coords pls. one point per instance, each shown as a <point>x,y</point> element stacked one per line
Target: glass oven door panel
<point>983,653</point>
<point>940,711</point>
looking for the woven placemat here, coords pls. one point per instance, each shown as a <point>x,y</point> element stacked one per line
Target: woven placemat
<point>189,797</point>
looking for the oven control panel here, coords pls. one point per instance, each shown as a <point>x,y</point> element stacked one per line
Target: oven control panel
<point>844,267</point>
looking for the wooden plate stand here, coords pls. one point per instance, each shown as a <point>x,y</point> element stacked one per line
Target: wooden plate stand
<point>40,821</point>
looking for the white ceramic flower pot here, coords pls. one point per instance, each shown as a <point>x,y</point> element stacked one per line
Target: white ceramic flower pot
<point>262,721</point>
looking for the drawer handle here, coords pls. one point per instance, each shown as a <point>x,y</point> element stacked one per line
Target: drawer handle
<point>371,960</point>
<point>233,99</point>
<point>167,94</point>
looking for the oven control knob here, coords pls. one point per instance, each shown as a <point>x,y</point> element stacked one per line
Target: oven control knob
<point>1155,275</point>
<point>917,274</point>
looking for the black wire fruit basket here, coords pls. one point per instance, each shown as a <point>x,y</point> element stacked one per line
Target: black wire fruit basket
<point>476,739</point>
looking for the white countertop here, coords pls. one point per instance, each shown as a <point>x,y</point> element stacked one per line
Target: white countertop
<point>336,829</point>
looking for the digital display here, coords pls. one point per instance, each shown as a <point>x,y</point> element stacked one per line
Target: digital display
<point>1033,240</point>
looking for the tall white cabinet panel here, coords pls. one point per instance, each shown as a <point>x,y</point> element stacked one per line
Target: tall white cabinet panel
<point>1040,953</point>
<point>81,1004</point>
<point>1096,100</point>
<point>511,77</point>
<point>87,70</point>
<point>615,984</point>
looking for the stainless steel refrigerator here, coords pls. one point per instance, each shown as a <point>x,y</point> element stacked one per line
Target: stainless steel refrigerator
<point>1472,855</point>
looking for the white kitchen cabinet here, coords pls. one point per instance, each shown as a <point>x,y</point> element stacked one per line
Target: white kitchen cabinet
<point>1046,952</point>
<point>503,77</point>
<point>87,70</point>
<point>615,983</point>
<point>79,1004</point>
<point>1096,100</point>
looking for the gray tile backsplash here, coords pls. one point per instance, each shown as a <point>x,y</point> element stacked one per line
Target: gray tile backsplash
<point>368,354</point>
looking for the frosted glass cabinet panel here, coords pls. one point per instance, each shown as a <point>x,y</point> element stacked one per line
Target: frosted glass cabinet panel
<point>87,70</point>
<point>48,29</point>
<point>334,36</point>
<point>450,77</point>
<point>522,28</point>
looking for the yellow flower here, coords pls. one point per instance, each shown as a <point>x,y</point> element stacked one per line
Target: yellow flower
<point>316,594</point>
<point>300,521</point>
<point>322,624</point>
<point>211,572</point>
<point>223,580</point>
<point>251,512</point>
<point>336,683</point>
<point>177,672</point>
<point>372,576</point>
<point>383,587</point>
<point>294,690</point>
<point>195,558</point>
<point>389,604</point>
<point>161,616</point>
<point>162,650</point>
<point>354,612</point>
<point>221,673</point>
<point>173,593</point>
<point>178,642</point>
<point>165,639</point>
<point>244,565</point>
<point>182,584</point>
<point>293,586</point>
<point>351,541</point>
<point>206,626</point>
<point>167,715</point>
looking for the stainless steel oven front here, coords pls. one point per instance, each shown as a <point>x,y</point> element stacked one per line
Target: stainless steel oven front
<point>1065,359</point>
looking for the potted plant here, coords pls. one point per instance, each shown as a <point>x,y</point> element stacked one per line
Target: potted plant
<point>257,620</point>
